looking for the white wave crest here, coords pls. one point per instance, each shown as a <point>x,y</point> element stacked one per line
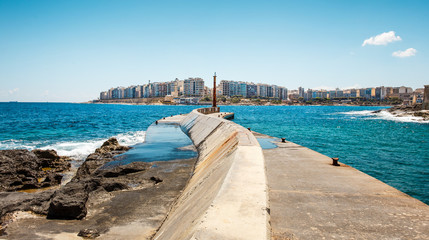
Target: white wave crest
<point>77,150</point>
<point>80,150</point>
<point>131,138</point>
<point>360,113</point>
<point>385,115</point>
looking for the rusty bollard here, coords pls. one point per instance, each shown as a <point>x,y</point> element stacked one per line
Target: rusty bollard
<point>335,162</point>
<point>248,129</point>
<point>156,122</point>
<point>283,140</point>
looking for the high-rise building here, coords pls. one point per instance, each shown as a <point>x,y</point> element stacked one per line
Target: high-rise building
<point>251,90</point>
<point>301,92</point>
<point>104,95</point>
<point>242,89</point>
<point>194,87</point>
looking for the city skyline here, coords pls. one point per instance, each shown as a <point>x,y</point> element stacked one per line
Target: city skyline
<point>69,51</point>
<point>179,90</point>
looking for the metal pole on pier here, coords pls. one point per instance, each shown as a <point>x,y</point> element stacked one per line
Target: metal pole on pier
<point>214,90</point>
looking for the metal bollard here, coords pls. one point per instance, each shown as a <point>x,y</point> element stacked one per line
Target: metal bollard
<point>248,129</point>
<point>156,122</point>
<point>283,140</point>
<point>335,162</point>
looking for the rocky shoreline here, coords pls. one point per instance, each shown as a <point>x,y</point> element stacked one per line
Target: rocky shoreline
<point>407,111</point>
<point>22,169</point>
<point>92,203</point>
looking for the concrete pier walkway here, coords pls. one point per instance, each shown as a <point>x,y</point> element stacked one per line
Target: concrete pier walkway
<point>312,199</point>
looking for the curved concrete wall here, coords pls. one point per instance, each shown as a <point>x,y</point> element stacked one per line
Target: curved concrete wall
<point>226,198</point>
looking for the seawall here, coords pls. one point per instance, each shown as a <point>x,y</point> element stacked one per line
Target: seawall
<point>227,196</point>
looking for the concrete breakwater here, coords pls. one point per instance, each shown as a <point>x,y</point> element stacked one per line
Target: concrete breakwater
<point>226,198</point>
<point>241,191</point>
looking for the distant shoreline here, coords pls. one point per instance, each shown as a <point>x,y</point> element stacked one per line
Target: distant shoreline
<point>219,104</point>
<point>231,104</point>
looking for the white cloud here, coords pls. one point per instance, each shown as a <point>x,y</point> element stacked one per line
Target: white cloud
<point>407,53</point>
<point>382,39</point>
<point>12,91</point>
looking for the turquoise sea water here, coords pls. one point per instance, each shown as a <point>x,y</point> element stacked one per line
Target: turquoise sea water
<point>393,150</point>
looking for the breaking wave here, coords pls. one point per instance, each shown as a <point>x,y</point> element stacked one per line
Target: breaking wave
<point>78,150</point>
<point>385,115</point>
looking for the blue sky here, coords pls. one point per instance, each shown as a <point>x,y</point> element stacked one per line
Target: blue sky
<point>72,50</point>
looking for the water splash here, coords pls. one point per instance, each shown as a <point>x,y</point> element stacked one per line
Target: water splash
<point>385,115</point>
<point>77,150</point>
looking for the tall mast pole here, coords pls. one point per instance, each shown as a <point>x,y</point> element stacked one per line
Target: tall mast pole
<point>214,90</point>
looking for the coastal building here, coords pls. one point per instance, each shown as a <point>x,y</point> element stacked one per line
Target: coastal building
<point>262,90</point>
<point>242,89</point>
<point>104,95</point>
<point>251,90</point>
<point>339,93</point>
<point>301,92</point>
<point>425,105</point>
<point>177,87</point>
<point>129,92</point>
<point>293,95</point>
<point>418,95</point>
<point>193,87</point>
<point>379,93</point>
<point>284,92</point>
<point>138,91</point>
<point>118,93</point>
<point>186,100</point>
<point>309,94</point>
<point>207,91</point>
<point>360,93</point>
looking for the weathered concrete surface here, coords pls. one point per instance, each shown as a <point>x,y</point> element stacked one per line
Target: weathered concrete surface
<point>226,197</point>
<point>312,199</point>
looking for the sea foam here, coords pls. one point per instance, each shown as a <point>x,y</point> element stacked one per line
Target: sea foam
<point>385,115</point>
<point>77,150</point>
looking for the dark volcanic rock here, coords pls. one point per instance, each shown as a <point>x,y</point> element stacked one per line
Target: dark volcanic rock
<point>102,155</point>
<point>70,201</point>
<point>21,201</point>
<point>22,169</point>
<point>121,170</point>
<point>50,159</point>
<point>111,145</point>
<point>113,186</point>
